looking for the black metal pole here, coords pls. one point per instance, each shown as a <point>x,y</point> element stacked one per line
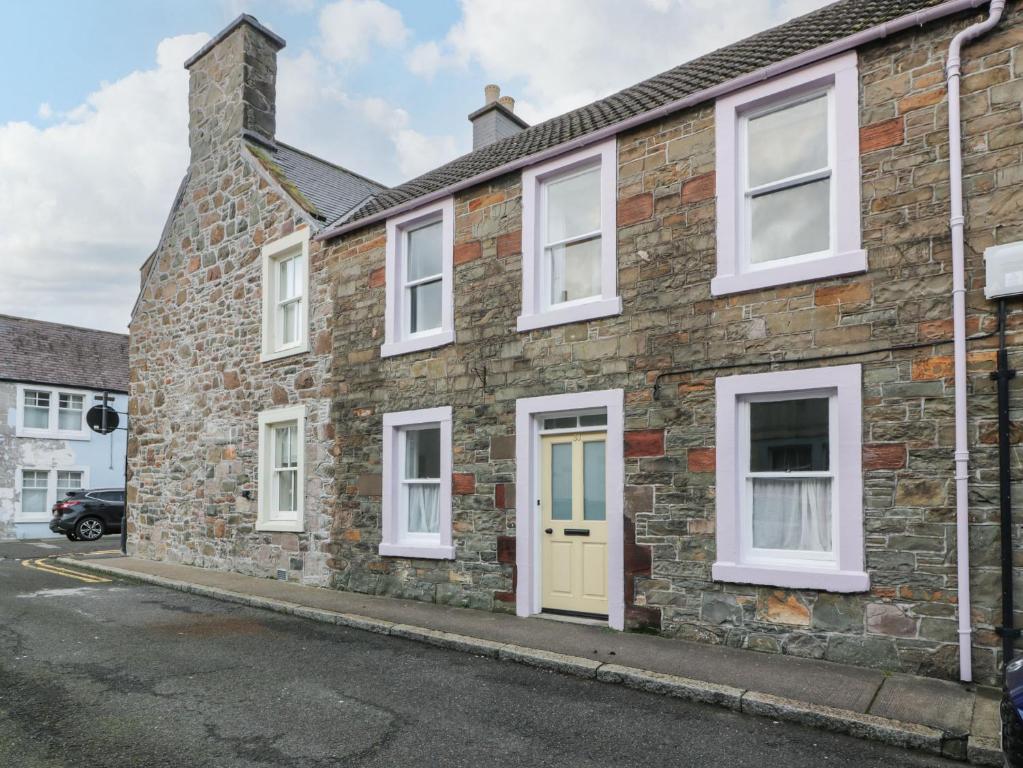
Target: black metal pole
<point>1003,375</point>
<point>124,510</point>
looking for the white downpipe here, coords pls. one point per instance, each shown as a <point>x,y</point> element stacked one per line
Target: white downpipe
<point>956,222</point>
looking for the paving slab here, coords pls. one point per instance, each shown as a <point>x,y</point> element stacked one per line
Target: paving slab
<point>937,703</point>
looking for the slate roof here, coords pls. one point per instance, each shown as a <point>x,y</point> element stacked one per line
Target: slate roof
<point>805,33</point>
<point>37,352</point>
<point>331,189</point>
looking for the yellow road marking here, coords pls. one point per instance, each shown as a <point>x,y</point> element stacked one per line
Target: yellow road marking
<point>103,552</point>
<point>42,565</point>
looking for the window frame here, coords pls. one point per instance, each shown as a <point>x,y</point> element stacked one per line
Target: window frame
<point>397,340</point>
<point>294,245</point>
<point>51,490</point>
<point>396,541</point>
<point>844,570</point>
<point>267,519</point>
<point>838,77</point>
<point>53,430</point>
<point>537,312</point>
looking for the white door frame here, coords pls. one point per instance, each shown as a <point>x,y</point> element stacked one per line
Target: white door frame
<point>527,513</point>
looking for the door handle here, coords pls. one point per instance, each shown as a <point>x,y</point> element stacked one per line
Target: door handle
<point>577,531</point>
<point>549,530</point>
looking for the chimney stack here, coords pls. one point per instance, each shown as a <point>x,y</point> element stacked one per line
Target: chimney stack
<point>232,87</point>
<point>496,119</point>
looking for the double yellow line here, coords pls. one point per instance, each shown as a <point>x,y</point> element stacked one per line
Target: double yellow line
<point>43,565</point>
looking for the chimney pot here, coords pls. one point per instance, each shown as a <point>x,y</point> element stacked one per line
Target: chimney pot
<point>491,93</point>
<point>496,119</point>
<point>507,102</point>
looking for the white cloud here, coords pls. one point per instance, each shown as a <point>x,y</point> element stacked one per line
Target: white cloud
<point>565,54</point>
<point>83,199</point>
<point>349,28</point>
<point>45,111</point>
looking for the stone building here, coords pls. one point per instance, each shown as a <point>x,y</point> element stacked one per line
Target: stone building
<point>680,359</point>
<point>50,376</point>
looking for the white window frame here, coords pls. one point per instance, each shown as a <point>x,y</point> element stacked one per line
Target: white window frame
<point>52,432</point>
<point>397,340</point>
<point>51,490</point>
<point>265,519</point>
<point>838,77</point>
<point>295,245</point>
<point>843,569</point>
<point>536,309</point>
<point>396,541</point>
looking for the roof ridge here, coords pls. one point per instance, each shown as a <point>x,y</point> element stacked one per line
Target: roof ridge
<point>336,166</point>
<point>61,325</point>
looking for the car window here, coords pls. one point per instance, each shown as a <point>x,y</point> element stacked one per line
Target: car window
<point>108,496</point>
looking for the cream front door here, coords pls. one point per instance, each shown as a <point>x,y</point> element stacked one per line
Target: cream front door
<point>573,523</point>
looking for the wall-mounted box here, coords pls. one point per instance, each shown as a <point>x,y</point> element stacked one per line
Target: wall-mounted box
<point>1004,270</point>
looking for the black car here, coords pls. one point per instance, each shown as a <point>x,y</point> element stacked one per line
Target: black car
<point>1012,714</point>
<point>87,514</point>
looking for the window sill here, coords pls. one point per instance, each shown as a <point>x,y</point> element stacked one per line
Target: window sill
<point>420,551</point>
<point>439,339</point>
<point>53,435</point>
<point>790,578</point>
<point>793,272</point>
<point>281,526</point>
<point>577,313</point>
<point>301,349</point>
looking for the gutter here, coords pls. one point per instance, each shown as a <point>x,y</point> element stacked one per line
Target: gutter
<point>879,32</point>
<point>956,224</point>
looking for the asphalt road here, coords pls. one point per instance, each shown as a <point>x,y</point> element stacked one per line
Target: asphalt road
<point>98,674</point>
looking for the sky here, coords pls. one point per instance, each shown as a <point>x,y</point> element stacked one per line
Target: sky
<point>94,118</point>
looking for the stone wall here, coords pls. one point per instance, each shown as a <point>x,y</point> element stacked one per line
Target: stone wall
<point>671,342</point>
<point>197,383</point>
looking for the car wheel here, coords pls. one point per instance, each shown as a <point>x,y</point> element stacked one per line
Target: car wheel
<point>89,529</point>
<point>71,536</point>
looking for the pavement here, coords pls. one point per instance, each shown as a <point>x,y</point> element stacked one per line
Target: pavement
<point>118,673</point>
<point>940,717</point>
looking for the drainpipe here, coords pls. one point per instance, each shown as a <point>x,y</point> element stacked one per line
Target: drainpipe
<point>956,222</point>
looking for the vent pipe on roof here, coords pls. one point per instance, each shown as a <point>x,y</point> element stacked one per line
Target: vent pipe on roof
<point>496,119</point>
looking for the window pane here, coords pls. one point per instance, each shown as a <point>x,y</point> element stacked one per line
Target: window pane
<point>423,500</point>
<point>33,491</point>
<point>37,409</point>
<point>69,481</point>
<point>424,306</point>
<point>573,206</point>
<point>285,446</point>
<point>424,246</point>
<point>561,481</point>
<point>560,422</point>
<point>789,436</point>
<point>575,271</point>
<point>792,514</point>
<point>289,279</point>
<point>285,497</point>
<point>788,142</point>
<point>289,322</point>
<point>791,222</point>
<point>593,481</point>
<point>69,412</point>
<point>422,453</point>
<point>593,420</point>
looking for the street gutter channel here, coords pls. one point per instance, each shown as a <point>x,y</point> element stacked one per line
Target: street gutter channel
<point>956,746</point>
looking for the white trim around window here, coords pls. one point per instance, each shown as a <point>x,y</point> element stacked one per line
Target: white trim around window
<point>42,410</point>
<point>828,175</point>
<point>285,324</point>
<point>833,561</point>
<point>404,487</point>
<point>281,474</point>
<point>51,489</point>
<point>542,247</point>
<point>403,290</point>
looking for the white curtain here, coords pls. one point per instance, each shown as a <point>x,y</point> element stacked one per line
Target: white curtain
<point>792,514</point>
<point>423,501</point>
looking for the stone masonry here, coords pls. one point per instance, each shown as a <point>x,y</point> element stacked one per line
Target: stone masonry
<point>197,383</point>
